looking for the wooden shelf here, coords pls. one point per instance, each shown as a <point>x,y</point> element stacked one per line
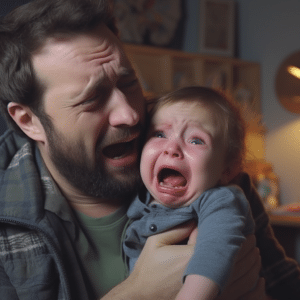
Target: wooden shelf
<point>285,220</point>
<point>162,70</point>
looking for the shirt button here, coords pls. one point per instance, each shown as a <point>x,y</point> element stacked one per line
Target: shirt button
<point>153,228</point>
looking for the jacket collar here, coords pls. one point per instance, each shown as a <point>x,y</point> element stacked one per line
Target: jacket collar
<point>26,187</point>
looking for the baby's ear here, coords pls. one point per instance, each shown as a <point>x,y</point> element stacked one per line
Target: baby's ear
<point>27,121</point>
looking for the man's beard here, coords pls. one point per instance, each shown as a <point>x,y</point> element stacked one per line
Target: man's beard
<point>72,163</point>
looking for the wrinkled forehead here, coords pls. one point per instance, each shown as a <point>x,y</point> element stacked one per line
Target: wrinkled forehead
<point>79,53</point>
<point>83,46</point>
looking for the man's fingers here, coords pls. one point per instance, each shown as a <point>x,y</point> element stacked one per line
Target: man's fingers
<point>166,247</point>
<point>193,237</point>
<point>162,262</point>
<point>249,279</point>
<point>247,246</point>
<point>258,293</point>
<point>251,261</point>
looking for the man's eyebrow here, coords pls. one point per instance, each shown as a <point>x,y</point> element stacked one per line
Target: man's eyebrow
<point>124,72</point>
<point>92,87</point>
<point>98,84</point>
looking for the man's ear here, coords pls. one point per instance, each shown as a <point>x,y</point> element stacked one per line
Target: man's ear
<point>27,121</point>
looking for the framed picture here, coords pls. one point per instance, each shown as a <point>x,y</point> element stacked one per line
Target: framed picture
<point>158,23</point>
<point>217,27</point>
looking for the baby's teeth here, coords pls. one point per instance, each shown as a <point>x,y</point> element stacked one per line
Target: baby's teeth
<point>174,187</point>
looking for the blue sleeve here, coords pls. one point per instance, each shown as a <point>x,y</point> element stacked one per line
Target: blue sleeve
<point>224,219</point>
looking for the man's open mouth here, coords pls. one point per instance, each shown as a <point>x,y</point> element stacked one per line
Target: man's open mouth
<point>171,178</point>
<point>120,150</point>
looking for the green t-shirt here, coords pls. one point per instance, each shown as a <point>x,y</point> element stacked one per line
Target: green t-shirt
<point>100,249</point>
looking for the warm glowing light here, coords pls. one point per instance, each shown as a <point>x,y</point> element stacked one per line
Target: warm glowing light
<point>295,71</point>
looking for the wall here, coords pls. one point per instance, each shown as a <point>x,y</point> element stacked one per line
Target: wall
<point>268,32</point>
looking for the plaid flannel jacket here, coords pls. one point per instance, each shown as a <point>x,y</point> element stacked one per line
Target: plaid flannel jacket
<point>37,257</point>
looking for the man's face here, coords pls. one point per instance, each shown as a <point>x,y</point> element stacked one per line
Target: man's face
<point>96,112</point>
<point>184,153</point>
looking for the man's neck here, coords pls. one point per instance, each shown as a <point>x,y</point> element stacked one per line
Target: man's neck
<point>95,210</point>
<point>90,206</point>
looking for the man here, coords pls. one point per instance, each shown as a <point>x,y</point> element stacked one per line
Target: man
<point>67,177</point>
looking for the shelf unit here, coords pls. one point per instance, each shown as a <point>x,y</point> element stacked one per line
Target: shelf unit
<point>161,70</point>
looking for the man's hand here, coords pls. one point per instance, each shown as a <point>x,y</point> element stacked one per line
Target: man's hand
<point>245,274</point>
<point>158,271</point>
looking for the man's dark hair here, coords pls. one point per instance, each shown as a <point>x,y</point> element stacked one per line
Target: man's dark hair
<point>25,30</point>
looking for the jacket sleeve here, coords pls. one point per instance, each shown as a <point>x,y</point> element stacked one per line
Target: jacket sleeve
<point>282,274</point>
<point>27,270</point>
<point>7,291</point>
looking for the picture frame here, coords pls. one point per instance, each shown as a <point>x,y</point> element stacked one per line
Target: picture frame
<point>152,22</point>
<point>217,27</point>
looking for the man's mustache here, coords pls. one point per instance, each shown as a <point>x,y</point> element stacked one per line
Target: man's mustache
<point>122,135</point>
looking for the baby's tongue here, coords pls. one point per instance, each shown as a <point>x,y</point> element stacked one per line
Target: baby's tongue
<point>173,178</point>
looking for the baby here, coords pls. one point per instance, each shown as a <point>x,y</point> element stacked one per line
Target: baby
<point>194,148</point>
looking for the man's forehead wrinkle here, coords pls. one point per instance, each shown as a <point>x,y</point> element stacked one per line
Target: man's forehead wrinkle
<point>98,53</point>
<point>100,78</point>
<point>71,48</point>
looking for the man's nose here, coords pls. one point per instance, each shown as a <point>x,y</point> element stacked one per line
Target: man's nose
<point>122,113</point>
<point>173,149</point>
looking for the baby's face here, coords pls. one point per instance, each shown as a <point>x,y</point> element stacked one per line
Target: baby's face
<point>184,154</point>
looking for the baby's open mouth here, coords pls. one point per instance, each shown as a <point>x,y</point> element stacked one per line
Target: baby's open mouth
<point>171,178</point>
<point>119,150</point>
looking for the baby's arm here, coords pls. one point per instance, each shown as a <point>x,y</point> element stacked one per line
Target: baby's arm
<point>197,287</point>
